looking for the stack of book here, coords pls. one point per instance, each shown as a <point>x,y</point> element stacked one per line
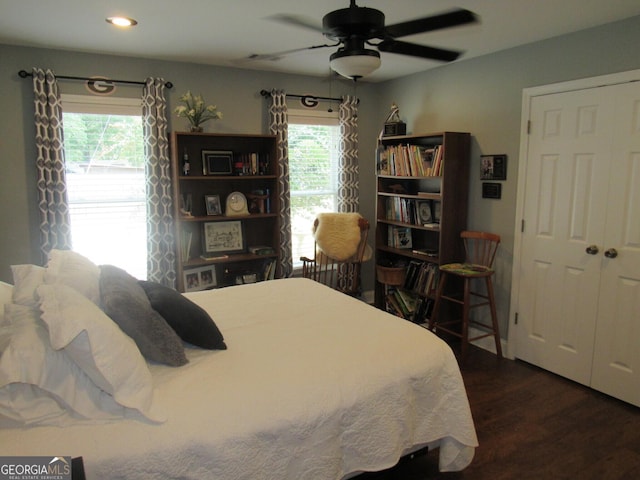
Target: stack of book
<point>269,271</point>
<point>262,250</point>
<point>411,161</point>
<point>422,278</point>
<point>414,299</point>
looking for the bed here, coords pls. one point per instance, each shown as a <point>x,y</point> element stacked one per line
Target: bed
<point>313,384</point>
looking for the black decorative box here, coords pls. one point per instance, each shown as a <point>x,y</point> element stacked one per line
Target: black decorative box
<point>394,128</point>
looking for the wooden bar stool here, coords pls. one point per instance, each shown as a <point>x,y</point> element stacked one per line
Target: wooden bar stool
<point>480,251</point>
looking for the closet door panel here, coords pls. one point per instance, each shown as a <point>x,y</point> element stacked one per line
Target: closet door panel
<point>616,364</point>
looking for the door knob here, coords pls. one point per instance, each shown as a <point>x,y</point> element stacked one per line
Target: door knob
<point>611,253</point>
<point>592,249</point>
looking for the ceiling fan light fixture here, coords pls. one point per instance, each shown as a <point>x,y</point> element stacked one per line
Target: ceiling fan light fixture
<point>355,64</point>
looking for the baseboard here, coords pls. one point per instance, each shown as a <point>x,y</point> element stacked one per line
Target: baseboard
<point>486,343</point>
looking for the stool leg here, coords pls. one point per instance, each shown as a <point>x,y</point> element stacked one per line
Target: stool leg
<point>465,318</point>
<point>494,317</point>
<point>436,306</point>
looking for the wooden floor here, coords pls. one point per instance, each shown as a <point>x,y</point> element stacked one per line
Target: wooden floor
<point>532,424</point>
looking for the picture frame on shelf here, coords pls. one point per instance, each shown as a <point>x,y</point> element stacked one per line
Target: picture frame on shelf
<point>213,205</point>
<point>217,162</point>
<point>223,237</point>
<point>200,278</point>
<point>424,210</point>
<point>400,237</point>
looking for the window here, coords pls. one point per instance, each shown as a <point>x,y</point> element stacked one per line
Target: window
<point>104,155</point>
<point>314,139</point>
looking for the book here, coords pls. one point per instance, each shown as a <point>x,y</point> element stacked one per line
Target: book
<point>262,250</point>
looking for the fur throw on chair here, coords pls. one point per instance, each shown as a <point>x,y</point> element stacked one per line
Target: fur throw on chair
<point>337,234</point>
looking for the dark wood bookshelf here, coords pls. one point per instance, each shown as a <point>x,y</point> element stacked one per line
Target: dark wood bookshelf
<point>258,228</point>
<point>398,197</point>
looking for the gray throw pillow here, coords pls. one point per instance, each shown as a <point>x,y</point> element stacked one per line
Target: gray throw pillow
<point>126,303</point>
<point>190,321</point>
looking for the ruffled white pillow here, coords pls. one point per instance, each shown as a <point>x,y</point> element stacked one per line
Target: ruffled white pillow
<point>67,267</point>
<point>39,385</point>
<point>26,279</point>
<point>6,294</point>
<point>97,345</point>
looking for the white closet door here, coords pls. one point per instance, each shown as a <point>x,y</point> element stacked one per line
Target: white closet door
<point>616,364</point>
<point>568,164</point>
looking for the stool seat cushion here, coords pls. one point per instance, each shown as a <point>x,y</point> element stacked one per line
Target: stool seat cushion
<point>466,269</point>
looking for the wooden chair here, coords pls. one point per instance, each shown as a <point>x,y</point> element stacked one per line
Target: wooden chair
<point>480,249</point>
<point>342,275</point>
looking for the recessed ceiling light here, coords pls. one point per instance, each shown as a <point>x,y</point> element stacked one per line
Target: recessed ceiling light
<point>122,21</point>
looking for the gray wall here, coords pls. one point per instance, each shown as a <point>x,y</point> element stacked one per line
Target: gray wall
<point>482,96</point>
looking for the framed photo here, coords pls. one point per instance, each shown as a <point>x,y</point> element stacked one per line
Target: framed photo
<point>199,278</point>
<point>424,211</point>
<point>217,162</point>
<point>223,237</point>
<point>212,202</point>
<point>493,167</point>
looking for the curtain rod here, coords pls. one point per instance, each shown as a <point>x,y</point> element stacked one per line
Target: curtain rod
<point>25,74</point>
<point>266,93</point>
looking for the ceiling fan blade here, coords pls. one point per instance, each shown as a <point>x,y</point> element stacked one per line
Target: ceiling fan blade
<point>278,55</point>
<point>415,50</point>
<point>298,21</point>
<point>434,22</point>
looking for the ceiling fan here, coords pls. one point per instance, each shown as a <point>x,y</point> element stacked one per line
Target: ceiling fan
<point>355,28</point>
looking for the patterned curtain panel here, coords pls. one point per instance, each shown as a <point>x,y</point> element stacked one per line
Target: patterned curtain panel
<point>278,125</point>
<point>53,205</point>
<point>348,191</point>
<point>160,234</point>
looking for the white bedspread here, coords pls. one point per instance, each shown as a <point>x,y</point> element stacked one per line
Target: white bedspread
<point>314,385</point>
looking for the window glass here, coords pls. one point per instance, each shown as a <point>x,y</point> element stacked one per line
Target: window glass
<point>313,170</point>
<point>104,155</point>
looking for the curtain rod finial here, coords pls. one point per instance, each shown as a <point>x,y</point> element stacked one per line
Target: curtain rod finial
<point>23,74</point>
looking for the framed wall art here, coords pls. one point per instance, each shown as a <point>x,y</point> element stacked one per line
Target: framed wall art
<point>493,167</point>
<point>223,237</point>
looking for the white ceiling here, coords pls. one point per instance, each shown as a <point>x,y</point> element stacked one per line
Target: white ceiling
<point>226,32</point>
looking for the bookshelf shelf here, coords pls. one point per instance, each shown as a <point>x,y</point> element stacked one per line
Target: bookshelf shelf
<point>424,214</point>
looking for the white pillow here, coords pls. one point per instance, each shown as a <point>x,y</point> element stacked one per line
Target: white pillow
<point>98,346</point>
<point>70,268</point>
<point>6,294</point>
<point>39,385</point>
<point>26,279</point>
